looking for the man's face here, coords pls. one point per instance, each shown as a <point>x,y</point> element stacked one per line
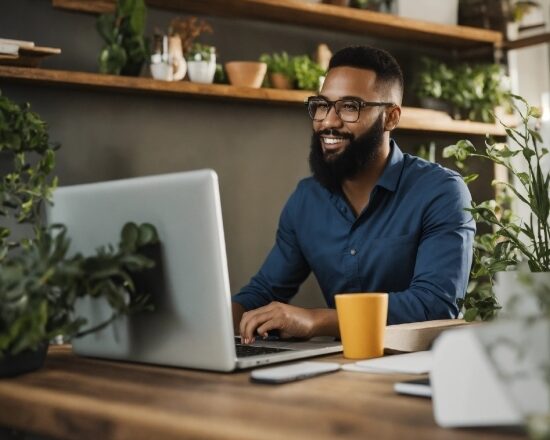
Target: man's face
<point>339,149</point>
<point>347,82</point>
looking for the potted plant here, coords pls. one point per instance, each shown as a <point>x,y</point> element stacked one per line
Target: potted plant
<point>516,243</point>
<point>433,85</point>
<point>465,91</point>
<point>39,281</point>
<point>286,72</point>
<point>280,70</point>
<point>201,63</point>
<point>126,48</point>
<point>307,73</point>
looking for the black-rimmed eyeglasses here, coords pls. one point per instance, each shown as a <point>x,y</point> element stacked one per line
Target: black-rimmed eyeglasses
<point>348,110</point>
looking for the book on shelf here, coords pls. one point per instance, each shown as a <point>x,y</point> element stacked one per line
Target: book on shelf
<point>9,49</point>
<point>18,43</point>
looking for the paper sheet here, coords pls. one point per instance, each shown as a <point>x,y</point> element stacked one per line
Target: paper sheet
<point>408,363</point>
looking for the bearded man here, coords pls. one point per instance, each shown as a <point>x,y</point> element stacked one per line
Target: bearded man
<point>370,219</point>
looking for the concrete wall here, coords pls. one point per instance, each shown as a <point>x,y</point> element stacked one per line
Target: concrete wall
<point>259,150</point>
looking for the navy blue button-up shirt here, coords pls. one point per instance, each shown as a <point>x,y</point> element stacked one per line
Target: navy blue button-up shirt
<point>413,240</point>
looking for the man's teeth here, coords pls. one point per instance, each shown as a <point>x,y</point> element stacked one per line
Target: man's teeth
<point>331,141</point>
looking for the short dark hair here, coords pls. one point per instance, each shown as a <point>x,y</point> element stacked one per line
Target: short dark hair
<point>365,57</point>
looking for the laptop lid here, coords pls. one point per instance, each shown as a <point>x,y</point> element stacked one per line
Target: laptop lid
<point>192,324</point>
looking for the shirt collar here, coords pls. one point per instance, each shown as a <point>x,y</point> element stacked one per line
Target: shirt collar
<point>392,172</point>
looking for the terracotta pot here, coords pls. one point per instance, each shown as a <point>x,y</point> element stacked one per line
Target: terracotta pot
<point>246,73</point>
<point>280,81</point>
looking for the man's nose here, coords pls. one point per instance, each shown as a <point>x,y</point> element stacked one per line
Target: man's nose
<point>332,119</point>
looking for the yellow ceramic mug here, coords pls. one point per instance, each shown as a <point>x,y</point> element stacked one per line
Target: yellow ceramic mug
<point>362,321</point>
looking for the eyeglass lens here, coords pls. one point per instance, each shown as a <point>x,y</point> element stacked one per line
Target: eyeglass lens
<point>348,111</point>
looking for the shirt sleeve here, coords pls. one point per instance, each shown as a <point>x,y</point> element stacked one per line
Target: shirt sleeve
<point>284,269</point>
<point>443,259</point>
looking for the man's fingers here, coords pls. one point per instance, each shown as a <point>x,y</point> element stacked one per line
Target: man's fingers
<point>246,317</point>
<point>248,329</point>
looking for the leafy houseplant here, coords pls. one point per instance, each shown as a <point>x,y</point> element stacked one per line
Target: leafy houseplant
<point>466,91</point>
<point>513,240</point>
<point>126,48</point>
<point>39,281</point>
<point>280,69</point>
<point>300,71</point>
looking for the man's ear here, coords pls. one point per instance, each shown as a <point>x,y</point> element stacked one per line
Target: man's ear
<point>393,114</point>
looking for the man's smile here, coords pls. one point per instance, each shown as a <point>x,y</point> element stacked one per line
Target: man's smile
<point>331,144</point>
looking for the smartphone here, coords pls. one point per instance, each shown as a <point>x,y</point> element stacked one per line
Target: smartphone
<point>293,372</point>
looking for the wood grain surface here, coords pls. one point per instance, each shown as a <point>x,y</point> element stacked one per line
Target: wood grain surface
<point>80,398</point>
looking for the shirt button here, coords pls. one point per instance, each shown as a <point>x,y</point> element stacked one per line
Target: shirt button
<point>353,252</point>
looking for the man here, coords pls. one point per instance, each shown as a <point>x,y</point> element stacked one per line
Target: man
<point>371,219</point>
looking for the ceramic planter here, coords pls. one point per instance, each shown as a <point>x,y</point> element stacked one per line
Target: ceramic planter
<point>280,81</point>
<point>162,71</point>
<point>175,55</point>
<point>168,63</point>
<point>202,71</point>
<point>246,73</point>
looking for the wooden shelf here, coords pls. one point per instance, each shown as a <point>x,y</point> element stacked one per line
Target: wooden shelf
<point>416,119</point>
<point>528,41</point>
<point>322,16</point>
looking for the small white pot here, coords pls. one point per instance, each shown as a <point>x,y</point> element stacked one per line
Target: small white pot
<point>162,71</point>
<point>202,71</point>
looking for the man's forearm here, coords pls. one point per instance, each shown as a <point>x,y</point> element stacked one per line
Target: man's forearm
<point>326,322</point>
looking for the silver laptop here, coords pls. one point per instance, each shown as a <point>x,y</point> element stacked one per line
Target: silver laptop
<point>191,325</point>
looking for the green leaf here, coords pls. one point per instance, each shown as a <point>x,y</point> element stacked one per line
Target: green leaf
<point>536,135</point>
<point>112,59</point>
<point>147,234</point>
<point>138,17</point>
<point>535,112</point>
<point>129,237</point>
<point>471,314</point>
<point>523,177</point>
<point>106,27</point>
<point>470,178</point>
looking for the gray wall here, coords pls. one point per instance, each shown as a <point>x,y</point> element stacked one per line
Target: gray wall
<point>259,150</point>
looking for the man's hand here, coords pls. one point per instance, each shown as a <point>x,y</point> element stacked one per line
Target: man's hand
<point>291,321</point>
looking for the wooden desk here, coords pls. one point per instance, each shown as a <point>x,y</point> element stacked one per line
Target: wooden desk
<point>79,398</point>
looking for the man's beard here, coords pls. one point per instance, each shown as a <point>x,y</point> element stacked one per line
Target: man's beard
<point>332,171</point>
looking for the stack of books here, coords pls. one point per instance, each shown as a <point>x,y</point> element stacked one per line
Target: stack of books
<point>23,53</point>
